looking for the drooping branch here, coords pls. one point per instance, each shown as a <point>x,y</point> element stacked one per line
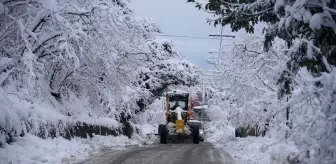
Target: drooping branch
<point>266,84</point>
<point>41,44</point>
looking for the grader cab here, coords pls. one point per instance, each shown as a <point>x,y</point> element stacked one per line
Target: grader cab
<point>178,117</point>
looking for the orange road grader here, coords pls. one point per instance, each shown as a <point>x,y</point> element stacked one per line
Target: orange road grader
<point>179,123</point>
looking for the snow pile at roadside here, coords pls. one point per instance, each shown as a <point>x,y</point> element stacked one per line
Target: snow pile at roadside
<point>257,150</point>
<point>250,150</point>
<point>31,149</point>
<point>146,134</point>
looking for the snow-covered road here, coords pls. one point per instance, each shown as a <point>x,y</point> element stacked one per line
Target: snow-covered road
<point>183,153</point>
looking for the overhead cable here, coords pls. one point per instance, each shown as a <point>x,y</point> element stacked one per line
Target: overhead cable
<point>186,36</point>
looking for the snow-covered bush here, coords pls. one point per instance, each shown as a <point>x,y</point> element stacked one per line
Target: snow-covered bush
<point>76,61</point>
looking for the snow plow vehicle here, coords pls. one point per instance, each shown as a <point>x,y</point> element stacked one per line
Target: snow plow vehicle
<point>179,125</point>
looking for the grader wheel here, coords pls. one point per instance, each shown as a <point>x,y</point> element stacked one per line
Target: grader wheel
<point>163,131</point>
<point>195,135</point>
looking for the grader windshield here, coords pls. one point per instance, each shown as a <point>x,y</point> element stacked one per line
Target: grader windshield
<point>177,106</point>
<point>178,100</point>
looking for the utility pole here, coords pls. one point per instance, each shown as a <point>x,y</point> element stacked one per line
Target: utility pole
<point>203,93</point>
<point>221,35</point>
<point>212,56</point>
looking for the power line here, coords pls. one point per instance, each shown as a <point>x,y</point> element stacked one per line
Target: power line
<point>186,36</point>
<point>222,35</point>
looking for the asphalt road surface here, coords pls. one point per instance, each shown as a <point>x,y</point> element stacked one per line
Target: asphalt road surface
<point>180,153</point>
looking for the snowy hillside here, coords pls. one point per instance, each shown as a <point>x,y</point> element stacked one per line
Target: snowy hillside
<point>71,68</point>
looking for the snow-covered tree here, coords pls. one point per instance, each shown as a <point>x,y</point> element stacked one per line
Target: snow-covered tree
<point>307,81</point>
<point>246,81</point>
<point>164,67</point>
<point>307,26</point>
<point>83,61</point>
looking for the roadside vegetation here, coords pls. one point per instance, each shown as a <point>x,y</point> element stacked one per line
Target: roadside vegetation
<point>282,81</point>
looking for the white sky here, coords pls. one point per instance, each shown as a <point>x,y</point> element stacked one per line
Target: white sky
<point>177,17</point>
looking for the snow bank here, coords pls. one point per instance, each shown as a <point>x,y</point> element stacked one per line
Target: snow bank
<point>257,150</point>
<point>147,129</point>
<point>251,150</point>
<point>22,115</point>
<point>31,149</point>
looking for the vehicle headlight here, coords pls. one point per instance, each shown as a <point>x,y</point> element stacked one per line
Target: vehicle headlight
<point>201,132</point>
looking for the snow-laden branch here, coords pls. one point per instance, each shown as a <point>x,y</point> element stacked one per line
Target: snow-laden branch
<point>266,84</point>
<point>312,45</point>
<point>230,4</point>
<point>259,12</point>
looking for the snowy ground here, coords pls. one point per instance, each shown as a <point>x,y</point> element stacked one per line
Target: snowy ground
<point>250,150</point>
<point>257,150</point>
<point>31,149</point>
